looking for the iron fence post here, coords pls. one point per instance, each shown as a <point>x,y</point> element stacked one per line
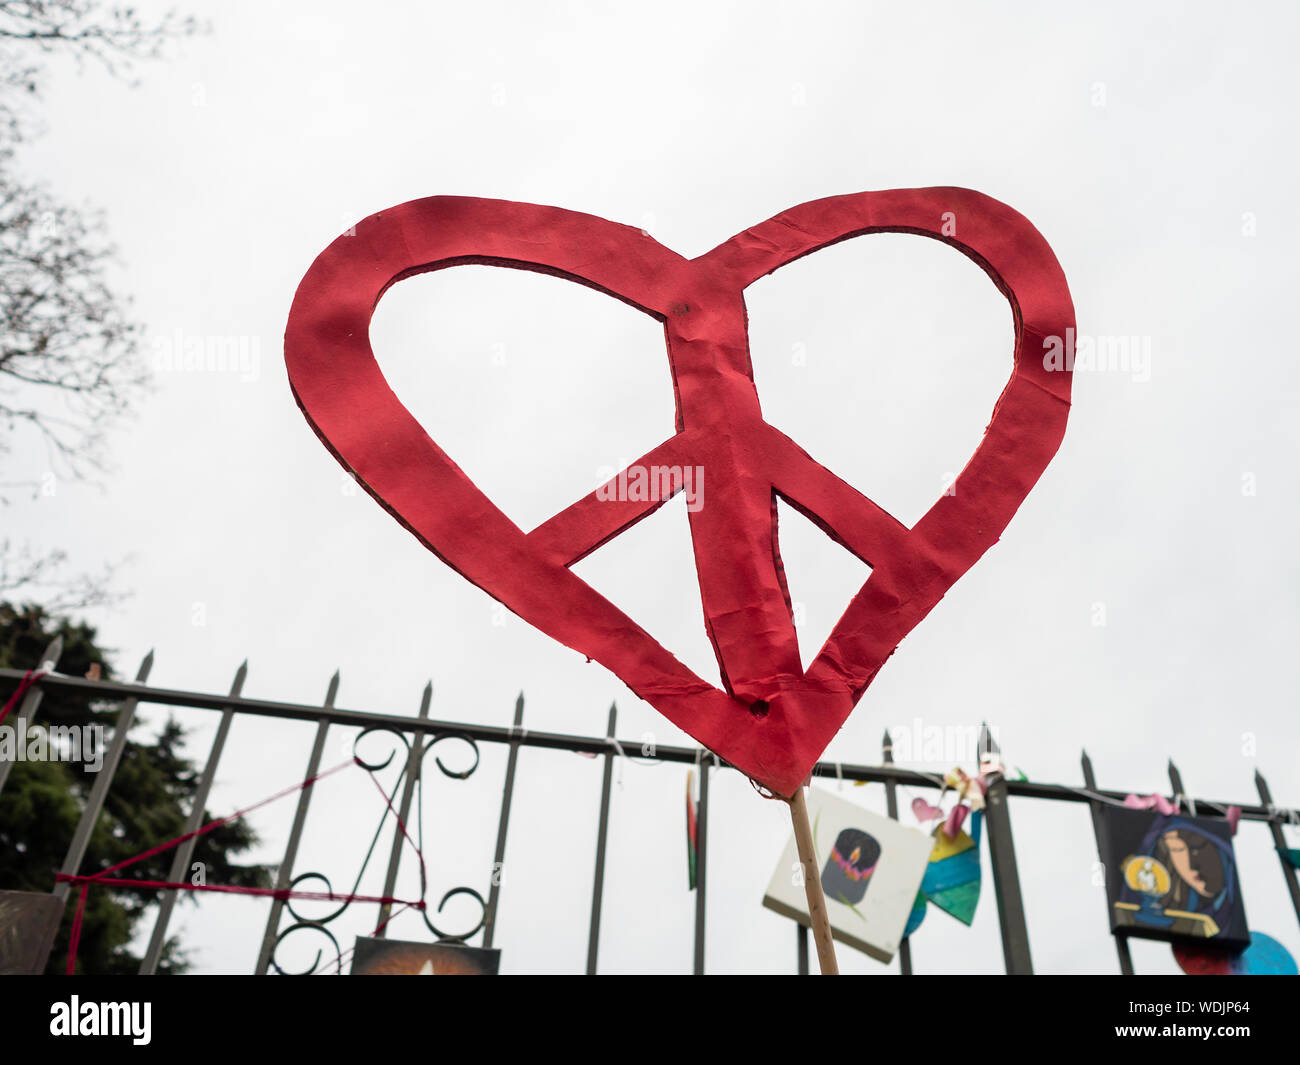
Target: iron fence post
<point>1094,807</point>
<point>1006,879</point>
<point>32,700</point>
<point>285,873</point>
<point>891,805</point>
<point>99,790</point>
<point>1176,782</point>
<point>414,764</point>
<point>181,860</point>
<point>598,890</point>
<point>499,857</point>
<point>1279,841</point>
<point>701,862</point>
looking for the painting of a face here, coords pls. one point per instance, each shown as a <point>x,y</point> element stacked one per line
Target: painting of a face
<point>1194,860</point>
<point>1174,877</point>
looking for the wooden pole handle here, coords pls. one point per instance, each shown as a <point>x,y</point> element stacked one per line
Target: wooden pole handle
<point>812,883</point>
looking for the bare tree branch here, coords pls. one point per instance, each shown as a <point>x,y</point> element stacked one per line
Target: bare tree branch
<point>116,37</point>
<point>69,361</point>
<point>44,577</point>
<point>70,365</point>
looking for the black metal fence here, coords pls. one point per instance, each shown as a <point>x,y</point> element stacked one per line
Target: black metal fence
<point>421,734</point>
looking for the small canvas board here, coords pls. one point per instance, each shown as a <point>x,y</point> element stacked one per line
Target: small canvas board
<point>1173,877</point>
<point>394,957</point>
<point>29,922</point>
<point>870,868</point>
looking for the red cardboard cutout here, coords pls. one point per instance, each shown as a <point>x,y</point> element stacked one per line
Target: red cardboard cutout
<point>775,719</point>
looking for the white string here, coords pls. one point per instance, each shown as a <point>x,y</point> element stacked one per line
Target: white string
<point>622,757</point>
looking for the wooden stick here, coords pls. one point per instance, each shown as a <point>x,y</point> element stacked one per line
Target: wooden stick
<point>812,884</point>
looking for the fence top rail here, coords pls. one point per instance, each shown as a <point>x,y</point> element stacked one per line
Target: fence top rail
<point>872,774</point>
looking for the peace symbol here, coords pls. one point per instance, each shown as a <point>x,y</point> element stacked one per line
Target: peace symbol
<point>774,718</point>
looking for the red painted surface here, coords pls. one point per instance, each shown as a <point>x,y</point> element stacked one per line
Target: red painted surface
<point>775,719</point>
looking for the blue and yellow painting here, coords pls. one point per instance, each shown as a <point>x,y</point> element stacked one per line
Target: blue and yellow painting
<point>1173,877</point>
<point>952,879</point>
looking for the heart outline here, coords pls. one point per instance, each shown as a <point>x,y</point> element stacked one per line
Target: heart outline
<point>775,718</point>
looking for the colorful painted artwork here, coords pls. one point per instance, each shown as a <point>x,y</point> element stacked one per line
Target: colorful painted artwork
<point>1173,877</point>
<point>952,878</point>
<point>917,915</point>
<point>852,860</point>
<point>1264,957</point>
<point>871,869</point>
<point>388,957</point>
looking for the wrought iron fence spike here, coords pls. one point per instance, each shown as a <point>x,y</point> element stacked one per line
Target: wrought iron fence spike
<point>50,659</point>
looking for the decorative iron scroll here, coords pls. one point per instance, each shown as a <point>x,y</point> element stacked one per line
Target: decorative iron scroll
<point>320,925</point>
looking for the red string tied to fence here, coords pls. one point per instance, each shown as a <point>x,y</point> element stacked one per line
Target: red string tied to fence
<point>29,678</point>
<point>284,894</point>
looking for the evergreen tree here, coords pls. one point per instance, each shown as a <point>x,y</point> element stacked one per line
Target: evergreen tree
<point>148,803</point>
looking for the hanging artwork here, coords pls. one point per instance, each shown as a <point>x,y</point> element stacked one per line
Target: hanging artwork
<point>771,718</point>
<point>917,915</point>
<point>29,921</point>
<point>1172,876</point>
<point>870,868</point>
<point>952,877</point>
<point>1264,957</point>
<point>393,957</point>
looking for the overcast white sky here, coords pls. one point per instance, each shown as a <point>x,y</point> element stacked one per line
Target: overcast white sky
<point>1140,140</point>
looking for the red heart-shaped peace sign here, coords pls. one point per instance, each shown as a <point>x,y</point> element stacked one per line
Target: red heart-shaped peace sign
<point>775,718</point>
